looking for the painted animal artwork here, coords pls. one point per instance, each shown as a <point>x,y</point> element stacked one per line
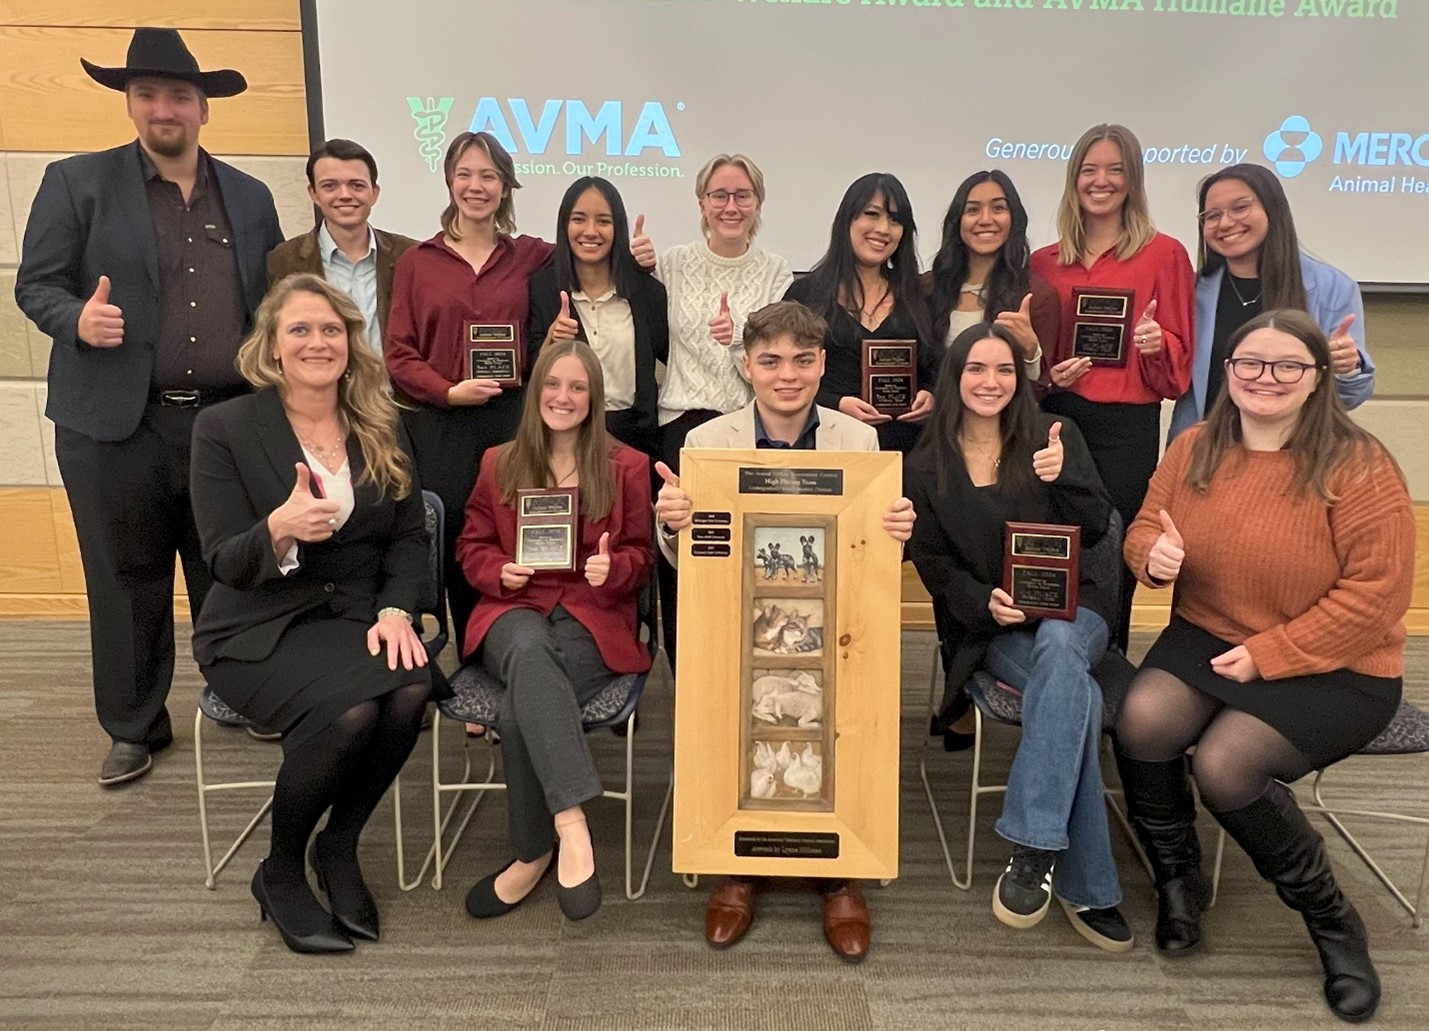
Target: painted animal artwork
<point>786,773</point>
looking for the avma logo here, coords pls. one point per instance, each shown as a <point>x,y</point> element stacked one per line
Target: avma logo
<point>533,134</point>
<point>1293,146</point>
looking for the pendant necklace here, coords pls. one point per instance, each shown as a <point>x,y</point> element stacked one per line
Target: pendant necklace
<point>1236,290</point>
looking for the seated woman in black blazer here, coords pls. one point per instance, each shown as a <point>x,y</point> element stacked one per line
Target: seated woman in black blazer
<point>594,291</point>
<point>311,519</point>
<point>990,457</point>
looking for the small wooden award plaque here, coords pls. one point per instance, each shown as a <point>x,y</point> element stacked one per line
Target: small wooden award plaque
<point>547,524</point>
<point>1103,318</point>
<point>890,374</point>
<point>1040,568</point>
<point>495,353</point>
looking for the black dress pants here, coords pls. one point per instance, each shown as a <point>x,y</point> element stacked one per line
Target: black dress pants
<point>130,502</point>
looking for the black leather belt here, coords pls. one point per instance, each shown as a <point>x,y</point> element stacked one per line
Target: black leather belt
<point>193,398</point>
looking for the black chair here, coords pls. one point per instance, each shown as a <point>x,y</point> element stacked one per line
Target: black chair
<point>211,708</point>
<point>477,699</point>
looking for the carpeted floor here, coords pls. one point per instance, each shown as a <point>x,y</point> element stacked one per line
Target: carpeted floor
<point>105,922</point>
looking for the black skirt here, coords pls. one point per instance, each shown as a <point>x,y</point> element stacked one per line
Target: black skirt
<point>320,668</point>
<point>1327,716</point>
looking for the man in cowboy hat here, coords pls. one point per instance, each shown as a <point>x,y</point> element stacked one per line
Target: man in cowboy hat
<point>145,264</point>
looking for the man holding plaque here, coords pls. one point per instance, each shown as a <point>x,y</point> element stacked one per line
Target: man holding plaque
<point>784,359</point>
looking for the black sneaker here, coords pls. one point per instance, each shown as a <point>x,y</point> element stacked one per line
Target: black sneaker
<point>1024,891</point>
<point>1104,928</point>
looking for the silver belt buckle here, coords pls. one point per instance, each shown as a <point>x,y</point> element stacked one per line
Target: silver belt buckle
<point>179,398</point>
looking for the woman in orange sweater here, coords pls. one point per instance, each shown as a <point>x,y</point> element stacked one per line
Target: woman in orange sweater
<point>1285,651</point>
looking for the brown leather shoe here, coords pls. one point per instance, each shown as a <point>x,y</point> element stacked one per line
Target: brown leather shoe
<point>846,922</point>
<point>729,912</point>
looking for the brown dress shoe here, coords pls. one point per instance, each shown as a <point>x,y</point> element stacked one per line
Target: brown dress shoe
<point>729,912</point>
<point>846,922</point>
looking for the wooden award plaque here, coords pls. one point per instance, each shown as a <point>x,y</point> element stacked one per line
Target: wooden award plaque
<point>547,528</point>
<point>787,713</point>
<point>1102,321</point>
<point>890,374</point>
<point>494,353</point>
<point>1041,565</point>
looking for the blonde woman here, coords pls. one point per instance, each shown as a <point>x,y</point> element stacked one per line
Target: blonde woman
<point>310,517</point>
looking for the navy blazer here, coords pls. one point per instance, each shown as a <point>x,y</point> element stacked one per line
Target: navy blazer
<point>90,219</point>
<point>244,451</point>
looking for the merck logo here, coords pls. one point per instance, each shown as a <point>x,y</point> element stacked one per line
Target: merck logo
<point>1293,146</point>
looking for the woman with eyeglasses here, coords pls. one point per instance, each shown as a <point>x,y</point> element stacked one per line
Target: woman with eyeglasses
<point>1289,535</point>
<point>1250,261</point>
<point>1109,243</point>
<point>866,287</point>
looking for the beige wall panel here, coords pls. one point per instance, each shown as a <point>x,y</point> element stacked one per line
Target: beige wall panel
<point>28,560</point>
<point>14,337</point>
<point>50,104</point>
<point>25,172</point>
<point>21,452</point>
<point>182,14</point>
<point>47,437</point>
<point>9,234</point>
<point>289,183</point>
<point>1398,326</point>
<point>39,351</point>
<point>1400,426</point>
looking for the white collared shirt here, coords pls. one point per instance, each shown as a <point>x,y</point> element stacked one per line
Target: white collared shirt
<point>358,279</point>
<point>610,331</point>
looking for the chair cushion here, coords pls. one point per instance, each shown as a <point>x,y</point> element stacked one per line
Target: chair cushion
<point>216,709</point>
<point>1407,733</point>
<point>476,698</point>
<point>1003,702</point>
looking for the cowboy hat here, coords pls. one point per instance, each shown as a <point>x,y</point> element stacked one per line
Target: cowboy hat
<point>162,53</point>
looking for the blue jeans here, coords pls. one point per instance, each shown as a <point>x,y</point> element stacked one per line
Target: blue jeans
<point>1055,792</point>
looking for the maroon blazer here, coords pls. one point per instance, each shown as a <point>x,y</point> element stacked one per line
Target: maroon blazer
<point>609,612</point>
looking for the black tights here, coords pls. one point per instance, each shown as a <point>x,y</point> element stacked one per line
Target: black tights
<point>346,767</point>
<point>1237,754</point>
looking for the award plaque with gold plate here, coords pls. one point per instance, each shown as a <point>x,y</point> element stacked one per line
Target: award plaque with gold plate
<point>546,527</point>
<point>1102,321</point>
<point>890,374</point>
<point>494,353</point>
<point>1040,568</point>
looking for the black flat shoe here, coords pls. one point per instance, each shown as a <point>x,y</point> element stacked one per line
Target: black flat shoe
<point>362,922</point>
<point>126,761</point>
<point>482,901</point>
<point>323,940</point>
<point>582,900</point>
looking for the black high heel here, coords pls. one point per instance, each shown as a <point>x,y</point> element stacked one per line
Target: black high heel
<point>482,901</point>
<point>363,922</point>
<point>323,940</point>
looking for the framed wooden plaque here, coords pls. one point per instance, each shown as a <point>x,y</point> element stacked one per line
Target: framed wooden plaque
<point>890,374</point>
<point>493,353</point>
<point>786,716</point>
<point>1103,318</point>
<point>547,528</point>
<point>1041,568</point>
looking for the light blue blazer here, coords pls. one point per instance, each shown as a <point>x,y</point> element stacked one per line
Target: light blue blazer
<point>1330,296</point>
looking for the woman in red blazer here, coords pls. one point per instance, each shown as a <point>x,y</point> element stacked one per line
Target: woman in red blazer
<point>555,638</point>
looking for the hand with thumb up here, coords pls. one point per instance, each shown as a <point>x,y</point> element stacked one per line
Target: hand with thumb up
<point>1163,564</point>
<point>305,516</point>
<point>722,325</point>
<point>1047,463</point>
<point>672,505</point>
<point>565,327</point>
<point>101,324</point>
<point>597,567</point>
<point>642,249</point>
<point>1019,324</point>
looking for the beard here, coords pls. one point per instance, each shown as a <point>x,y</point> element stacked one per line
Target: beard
<point>169,146</point>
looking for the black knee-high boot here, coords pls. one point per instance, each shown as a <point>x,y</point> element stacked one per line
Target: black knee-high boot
<point>1289,854</point>
<point>1163,812</point>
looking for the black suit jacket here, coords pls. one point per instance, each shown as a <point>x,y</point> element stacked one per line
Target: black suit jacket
<point>300,254</point>
<point>91,219</point>
<point>650,314</point>
<point>244,452</point>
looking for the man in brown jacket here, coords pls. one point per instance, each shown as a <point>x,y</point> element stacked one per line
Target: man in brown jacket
<point>344,248</point>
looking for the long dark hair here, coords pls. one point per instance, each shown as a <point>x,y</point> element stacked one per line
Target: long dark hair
<point>622,265</point>
<point>835,275</point>
<point>1021,432</point>
<point>1325,439</point>
<point>1007,284</point>
<point>1281,284</point>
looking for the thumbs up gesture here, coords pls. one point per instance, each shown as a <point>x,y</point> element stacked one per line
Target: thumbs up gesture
<point>1019,324</point>
<point>1163,564</point>
<point>722,325</point>
<point>305,516</point>
<point>565,327</point>
<point>1344,352</point>
<point>101,324</point>
<point>1047,463</point>
<point>641,249</point>
<point>1147,334</point>
<point>597,567</point>
<point>673,507</point>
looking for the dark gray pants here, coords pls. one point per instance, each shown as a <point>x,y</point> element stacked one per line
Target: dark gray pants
<point>550,668</point>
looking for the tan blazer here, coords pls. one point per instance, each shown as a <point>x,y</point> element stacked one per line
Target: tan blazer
<point>836,432</point>
<point>300,254</point>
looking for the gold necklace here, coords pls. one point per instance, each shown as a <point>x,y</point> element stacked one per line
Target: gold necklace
<point>323,454</point>
<point>994,458</point>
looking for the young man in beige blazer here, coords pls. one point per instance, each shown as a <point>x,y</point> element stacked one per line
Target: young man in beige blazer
<point>784,359</point>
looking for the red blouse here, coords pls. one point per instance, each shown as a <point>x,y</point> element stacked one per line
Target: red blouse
<point>488,542</point>
<point>1160,272</point>
<point>434,294</point>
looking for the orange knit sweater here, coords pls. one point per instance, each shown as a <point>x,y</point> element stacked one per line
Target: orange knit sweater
<point>1306,587</point>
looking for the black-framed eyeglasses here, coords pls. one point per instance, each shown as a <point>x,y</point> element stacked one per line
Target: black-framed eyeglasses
<point>1285,372</point>
<point>719,198</point>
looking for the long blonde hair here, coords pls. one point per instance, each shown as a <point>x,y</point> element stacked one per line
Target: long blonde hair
<point>525,462</point>
<point>1137,229</point>
<point>363,407</point>
<point>505,167</point>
